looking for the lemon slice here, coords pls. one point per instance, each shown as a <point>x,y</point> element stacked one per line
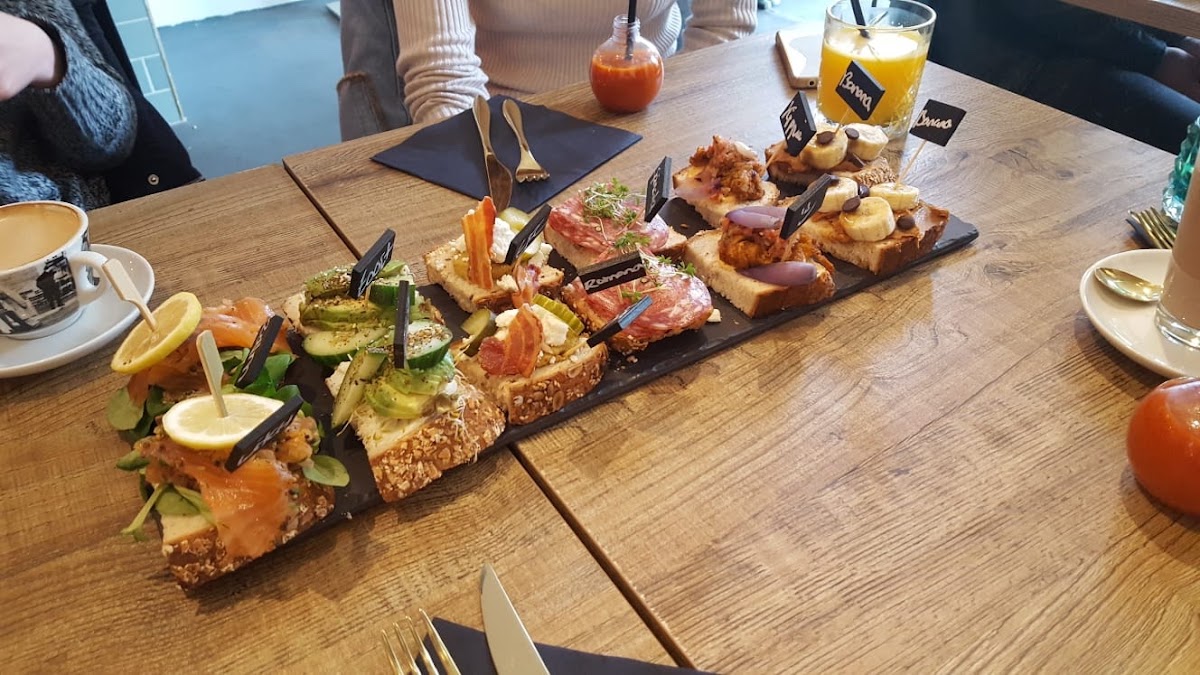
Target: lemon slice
<point>197,424</point>
<point>142,348</point>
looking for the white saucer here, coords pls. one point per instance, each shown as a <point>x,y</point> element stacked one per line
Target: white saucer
<point>102,321</point>
<point>1129,325</point>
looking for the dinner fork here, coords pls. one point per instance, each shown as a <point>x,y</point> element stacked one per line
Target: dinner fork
<point>1160,229</point>
<point>528,169</point>
<point>404,662</point>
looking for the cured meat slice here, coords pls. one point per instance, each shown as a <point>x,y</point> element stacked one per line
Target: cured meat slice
<point>595,233</point>
<point>680,301</point>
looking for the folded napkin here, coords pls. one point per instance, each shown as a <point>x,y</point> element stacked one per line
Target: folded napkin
<point>450,153</point>
<point>470,651</point>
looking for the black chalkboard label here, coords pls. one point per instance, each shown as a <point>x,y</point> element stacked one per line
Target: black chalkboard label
<point>657,189</point>
<point>612,272</point>
<point>263,433</point>
<point>798,124</point>
<point>370,265</point>
<point>937,122</point>
<point>259,351</point>
<point>525,237</point>
<point>400,334</point>
<point>622,321</point>
<point>805,205</point>
<point>859,90</point>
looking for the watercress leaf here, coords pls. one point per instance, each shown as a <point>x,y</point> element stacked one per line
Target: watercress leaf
<point>133,461</point>
<point>197,501</point>
<point>171,503</point>
<point>154,403</point>
<point>134,529</point>
<point>327,470</point>
<point>307,411</point>
<point>260,387</point>
<point>122,414</point>
<point>232,360</point>
<point>285,393</point>
<point>139,432</point>
<point>276,366</point>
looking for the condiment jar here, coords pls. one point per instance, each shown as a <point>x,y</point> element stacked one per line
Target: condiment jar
<point>627,70</point>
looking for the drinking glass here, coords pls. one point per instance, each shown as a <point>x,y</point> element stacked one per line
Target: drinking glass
<point>1178,314</point>
<point>893,51</point>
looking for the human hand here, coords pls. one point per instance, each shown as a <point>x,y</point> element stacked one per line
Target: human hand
<point>28,57</point>
<point>1180,71</point>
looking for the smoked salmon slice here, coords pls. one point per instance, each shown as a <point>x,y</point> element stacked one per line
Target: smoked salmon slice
<point>517,353</point>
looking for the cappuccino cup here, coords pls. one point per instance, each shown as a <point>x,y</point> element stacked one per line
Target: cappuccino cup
<point>47,272</point>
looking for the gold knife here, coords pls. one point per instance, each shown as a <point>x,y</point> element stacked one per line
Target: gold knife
<point>499,177</point>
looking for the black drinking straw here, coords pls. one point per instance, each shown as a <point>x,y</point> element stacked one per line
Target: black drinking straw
<point>859,18</point>
<point>630,17</point>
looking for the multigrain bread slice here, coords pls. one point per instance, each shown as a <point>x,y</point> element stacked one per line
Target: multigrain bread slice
<point>753,297</point>
<point>547,390</point>
<point>888,255</point>
<point>439,267</point>
<point>195,554</point>
<point>582,257</point>
<point>714,207</point>
<point>785,168</point>
<point>407,455</point>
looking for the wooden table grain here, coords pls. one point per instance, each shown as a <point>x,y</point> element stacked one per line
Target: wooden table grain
<point>78,596</point>
<point>1176,16</point>
<point>928,475</point>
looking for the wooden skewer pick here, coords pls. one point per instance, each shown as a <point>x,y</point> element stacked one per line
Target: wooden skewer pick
<point>119,278</point>
<point>912,160</point>
<point>213,371</point>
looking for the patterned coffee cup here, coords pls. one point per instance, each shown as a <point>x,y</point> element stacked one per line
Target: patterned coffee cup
<point>47,272</point>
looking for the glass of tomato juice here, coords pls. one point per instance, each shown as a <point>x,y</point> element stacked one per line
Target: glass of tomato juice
<point>627,70</point>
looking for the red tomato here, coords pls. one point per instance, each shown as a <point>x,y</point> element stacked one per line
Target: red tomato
<point>1164,444</point>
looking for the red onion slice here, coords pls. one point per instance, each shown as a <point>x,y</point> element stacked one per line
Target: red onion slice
<point>790,273</point>
<point>692,191</point>
<point>757,217</point>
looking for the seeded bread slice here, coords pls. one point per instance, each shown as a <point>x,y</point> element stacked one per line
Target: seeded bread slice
<point>547,390</point>
<point>439,266</point>
<point>753,297</point>
<point>888,255</point>
<point>582,257</point>
<point>714,207</point>
<point>407,455</point>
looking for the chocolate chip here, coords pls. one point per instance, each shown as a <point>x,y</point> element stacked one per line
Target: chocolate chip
<point>853,159</point>
<point>851,204</point>
<point>906,222</point>
<point>825,138</point>
<point>852,134</point>
<point>864,191</point>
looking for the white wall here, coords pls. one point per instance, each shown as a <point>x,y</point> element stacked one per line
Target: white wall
<point>171,12</point>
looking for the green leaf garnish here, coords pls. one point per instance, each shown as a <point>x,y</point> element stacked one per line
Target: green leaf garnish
<point>134,529</point>
<point>276,367</point>
<point>607,201</point>
<point>132,461</point>
<point>122,414</point>
<point>171,503</point>
<point>632,296</point>
<point>197,501</point>
<point>326,470</point>
<point>154,403</point>
<point>631,240</point>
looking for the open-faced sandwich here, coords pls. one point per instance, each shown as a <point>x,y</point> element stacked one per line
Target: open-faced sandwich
<point>472,270</point>
<point>852,151</point>
<point>531,360</point>
<point>755,268</point>
<point>213,520</point>
<point>679,302</point>
<point>416,421</point>
<point>722,177</point>
<point>883,231</point>
<point>604,220</point>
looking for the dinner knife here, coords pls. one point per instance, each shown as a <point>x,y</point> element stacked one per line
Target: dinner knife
<point>512,651</point>
<point>499,178</point>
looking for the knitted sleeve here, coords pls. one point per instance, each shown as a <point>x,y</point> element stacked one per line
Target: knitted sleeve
<point>717,21</point>
<point>438,65</point>
<point>89,117</point>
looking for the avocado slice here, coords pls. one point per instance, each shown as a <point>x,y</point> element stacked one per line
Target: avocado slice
<point>339,313</point>
<point>390,402</point>
<point>327,284</point>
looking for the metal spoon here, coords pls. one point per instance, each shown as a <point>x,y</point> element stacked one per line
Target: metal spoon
<point>1128,285</point>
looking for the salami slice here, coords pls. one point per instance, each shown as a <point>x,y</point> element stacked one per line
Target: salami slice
<point>680,301</point>
<point>594,233</point>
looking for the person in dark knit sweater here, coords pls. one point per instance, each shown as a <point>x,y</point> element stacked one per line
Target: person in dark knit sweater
<point>66,115</point>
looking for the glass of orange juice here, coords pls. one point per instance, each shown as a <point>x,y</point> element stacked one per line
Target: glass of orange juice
<point>893,50</point>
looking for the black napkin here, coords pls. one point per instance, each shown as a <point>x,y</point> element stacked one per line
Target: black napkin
<point>450,153</point>
<point>470,651</point>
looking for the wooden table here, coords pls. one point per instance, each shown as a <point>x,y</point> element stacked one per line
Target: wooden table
<point>78,596</point>
<point>928,475</point>
<point>1176,16</point>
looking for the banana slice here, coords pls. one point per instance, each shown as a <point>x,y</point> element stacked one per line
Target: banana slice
<point>837,194</point>
<point>824,156</point>
<point>900,197</point>
<point>871,221</point>
<point>869,143</point>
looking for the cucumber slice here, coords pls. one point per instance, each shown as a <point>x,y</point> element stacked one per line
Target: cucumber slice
<point>428,342</point>
<point>561,311</point>
<point>332,347</point>
<point>514,217</point>
<point>395,268</point>
<point>362,368</point>
<point>481,324</point>
<point>383,292</point>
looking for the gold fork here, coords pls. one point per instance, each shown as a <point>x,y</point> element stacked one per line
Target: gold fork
<point>528,169</point>
<point>404,662</point>
<point>1158,227</point>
